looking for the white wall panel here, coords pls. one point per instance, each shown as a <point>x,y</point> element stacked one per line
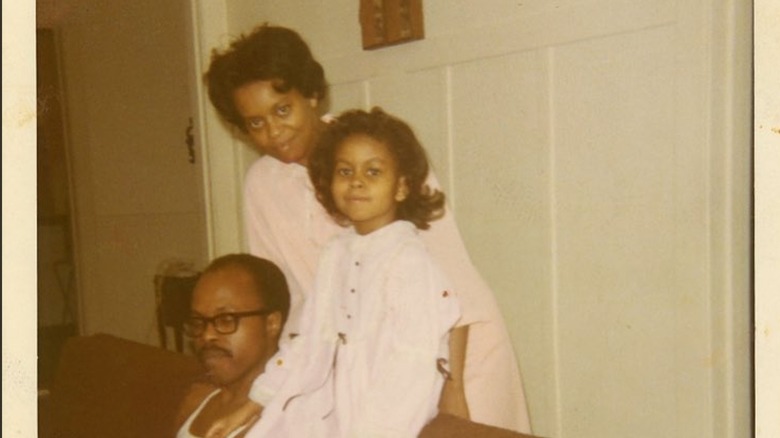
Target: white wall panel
<point>420,99</point>
<point>345,96</point>
<point>501,150</point>
<point>618,294</point>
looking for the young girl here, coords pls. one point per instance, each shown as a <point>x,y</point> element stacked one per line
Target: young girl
<point>372,355</point>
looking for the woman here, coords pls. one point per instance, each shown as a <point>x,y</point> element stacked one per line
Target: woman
<point>268,85</point>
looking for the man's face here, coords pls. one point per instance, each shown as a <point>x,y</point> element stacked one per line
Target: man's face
<point>233,359</point>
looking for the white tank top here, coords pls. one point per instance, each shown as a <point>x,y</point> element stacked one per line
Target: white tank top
<point>184,431</point>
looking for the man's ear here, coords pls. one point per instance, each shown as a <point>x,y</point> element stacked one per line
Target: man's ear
<point>273,323</point>
<point>402,192</point>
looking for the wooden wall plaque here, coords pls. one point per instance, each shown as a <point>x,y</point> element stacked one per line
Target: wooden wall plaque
<point>389,22</point>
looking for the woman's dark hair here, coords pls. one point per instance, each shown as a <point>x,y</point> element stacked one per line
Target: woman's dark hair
<point>421,206</point>
<point>269,53</point>
<point>270,283</point>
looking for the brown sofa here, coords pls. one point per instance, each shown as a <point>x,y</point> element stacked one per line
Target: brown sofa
<point>111,387</point>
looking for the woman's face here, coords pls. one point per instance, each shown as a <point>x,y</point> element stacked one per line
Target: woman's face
<point>282,125</point>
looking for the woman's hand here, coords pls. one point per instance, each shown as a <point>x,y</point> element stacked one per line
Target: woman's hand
<point>247,414</point>
<point>453,395</point>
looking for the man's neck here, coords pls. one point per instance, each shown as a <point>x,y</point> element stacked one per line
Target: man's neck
<point>231,396</point>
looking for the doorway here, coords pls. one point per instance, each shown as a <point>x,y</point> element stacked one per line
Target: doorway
<point>57,307</point>
<point>124,193</point>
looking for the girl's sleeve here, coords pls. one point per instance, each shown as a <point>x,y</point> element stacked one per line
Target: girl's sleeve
<point>404,387</point>
<point>300,364</point>
<point>301,360</point>
<point>278,370</point>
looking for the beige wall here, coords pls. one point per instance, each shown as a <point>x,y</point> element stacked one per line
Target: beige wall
<point>597,157</point>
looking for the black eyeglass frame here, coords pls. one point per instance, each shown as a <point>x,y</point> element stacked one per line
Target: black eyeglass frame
<point>236,316</point>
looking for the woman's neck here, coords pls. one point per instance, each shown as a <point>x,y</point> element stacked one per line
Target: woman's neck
<point>318,129</point>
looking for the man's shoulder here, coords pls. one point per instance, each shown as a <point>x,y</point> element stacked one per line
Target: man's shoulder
<point>195,395</point>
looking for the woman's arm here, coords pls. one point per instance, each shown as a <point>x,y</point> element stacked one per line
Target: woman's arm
<point>453,395</point>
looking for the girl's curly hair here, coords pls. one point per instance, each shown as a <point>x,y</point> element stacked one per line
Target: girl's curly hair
<point>421,206</point>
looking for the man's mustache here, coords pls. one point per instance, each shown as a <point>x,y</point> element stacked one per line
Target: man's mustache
<point>213,349</point>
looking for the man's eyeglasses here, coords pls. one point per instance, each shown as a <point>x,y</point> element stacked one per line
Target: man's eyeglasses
<point>224,323</point>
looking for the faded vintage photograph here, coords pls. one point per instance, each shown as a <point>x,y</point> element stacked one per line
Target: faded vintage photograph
<point>395,218</point>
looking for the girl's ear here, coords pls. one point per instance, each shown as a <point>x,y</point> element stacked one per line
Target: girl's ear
<point>314,102</point>
<point>273,324</point>
<point>402,192</point>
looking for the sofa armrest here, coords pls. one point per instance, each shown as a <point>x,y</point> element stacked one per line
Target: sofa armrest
<point>108,386</point>
<point>449,426</point>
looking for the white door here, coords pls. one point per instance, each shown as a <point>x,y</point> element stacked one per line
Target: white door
<point>136,184</point>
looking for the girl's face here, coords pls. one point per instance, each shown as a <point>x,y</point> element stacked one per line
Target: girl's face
<point>282,125</point>
<point>367,186</point>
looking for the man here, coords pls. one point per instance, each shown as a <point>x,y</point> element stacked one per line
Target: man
<point>238,309</point>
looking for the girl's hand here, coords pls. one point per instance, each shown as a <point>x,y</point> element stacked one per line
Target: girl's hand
<point>247,414</point>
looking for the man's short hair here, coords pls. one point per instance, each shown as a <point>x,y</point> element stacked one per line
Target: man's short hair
<point>270,283</point>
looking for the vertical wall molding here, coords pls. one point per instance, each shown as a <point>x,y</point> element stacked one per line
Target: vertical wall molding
<point>222,155</point>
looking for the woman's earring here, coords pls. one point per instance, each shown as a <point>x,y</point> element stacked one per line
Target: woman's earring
<point>402,192</point>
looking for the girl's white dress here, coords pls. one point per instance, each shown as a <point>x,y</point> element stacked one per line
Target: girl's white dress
<point>287,225</point>
<point>373,345</point>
